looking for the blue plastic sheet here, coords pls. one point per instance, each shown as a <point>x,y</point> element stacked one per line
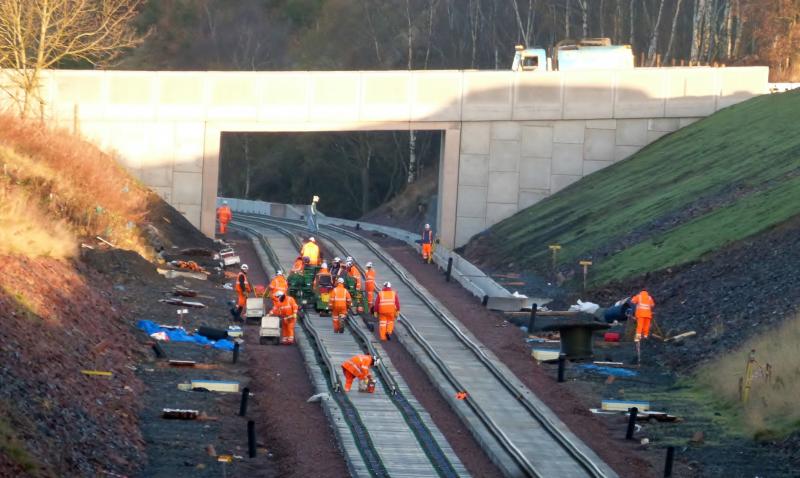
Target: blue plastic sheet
<point>180,335</point>
<point>617,372</point>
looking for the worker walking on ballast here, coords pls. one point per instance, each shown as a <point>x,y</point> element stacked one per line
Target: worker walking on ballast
<point>285,307</point>
<point>224,216</point>
<point>340,303</point>
<point>369,283</point>
<point>427,244</point>
<point>358,367</point>
<point>386,307</point>
<point>243,290</point>
<point>644,315</point>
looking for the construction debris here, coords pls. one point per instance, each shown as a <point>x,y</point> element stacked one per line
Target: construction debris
<point>198,305</point>
<point>545,355</point>
<point>174,274</point>
<point>681,336</point>
<point>179,414</point>
<point>624,405</point>
<point>97,373</point>
<point>182,363</point>
<point>215,386</point>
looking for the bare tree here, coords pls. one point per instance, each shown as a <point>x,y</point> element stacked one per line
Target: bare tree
<point>668,54</point>
<point>40,34</point>
<point>651,51</point>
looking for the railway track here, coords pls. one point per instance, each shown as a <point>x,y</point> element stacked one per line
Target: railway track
<point>520,434</point>
<point>382,434</point>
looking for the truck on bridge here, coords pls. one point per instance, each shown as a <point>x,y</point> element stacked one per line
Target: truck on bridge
<point>572,55</point>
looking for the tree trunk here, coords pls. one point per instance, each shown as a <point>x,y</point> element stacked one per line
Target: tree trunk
<point>618,22</point>
<point>651,52</point>
<point>632,9</point>
<point>668,55</point>
<point>365,181</point>
<point>584,5</point>
<point>412,156</point>
<point>566,19</point>
<point>697,29</point>
<point>602,18</point>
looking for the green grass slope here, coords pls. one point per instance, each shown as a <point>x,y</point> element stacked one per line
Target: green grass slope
<point>715,182</point>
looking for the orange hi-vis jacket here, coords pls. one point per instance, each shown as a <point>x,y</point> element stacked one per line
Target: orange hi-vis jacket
<point>298,265</point>
<point>242,284</point>
<point>224,214</point>
<point>278,283</point>
<point>359,366</point>
<point>322,272</point>
<point>387,303</point>
<point>340,299</point>
<point>644,305</point>
<point>353,272</point>
<point>311,251</point>
<point>285,308</point>
<point>369,282</point>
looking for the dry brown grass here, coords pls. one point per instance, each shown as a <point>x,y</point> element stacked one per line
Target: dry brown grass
<point>22,232</point>
<point>772,408</point>
<point>71,182</point>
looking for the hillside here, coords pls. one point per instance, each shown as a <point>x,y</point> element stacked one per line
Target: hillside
<point>711,184</point>
<point>60,315</point>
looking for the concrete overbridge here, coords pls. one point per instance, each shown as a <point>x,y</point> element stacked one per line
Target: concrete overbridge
<point>510,139</point>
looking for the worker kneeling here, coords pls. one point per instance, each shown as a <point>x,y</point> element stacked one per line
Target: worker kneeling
<point>386,307</point>
<point>340,301</point>
<point>358,367</point>
<point>285,307</point>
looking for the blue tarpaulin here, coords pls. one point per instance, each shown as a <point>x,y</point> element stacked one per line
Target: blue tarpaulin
<point>180,335</point>
<point>617,372</point>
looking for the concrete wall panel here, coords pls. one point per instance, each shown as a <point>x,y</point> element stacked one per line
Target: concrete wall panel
<point>473,170</point>
<point>567,159</point>
<point>386,96</point>
<point>286,97</point>
<point>467,227</point>
<point>623,152</point>
<point>496,212</point>
<point>436,95</point>
<point>538,96</point>
<point>503,188</point>
<point>537,141</point>
<point>189,142</point>
<point>534,173</point>
<point>589,95</point>
<point>528,198</point>
<point>504,156</point>
<point>506,130</point>
<point>476,138</point>
<point>691,91</point>
<point>631,132</point>
<point>472,201</point>
<point>599,145</point>
<point>569,132</point>
<point>186,188</point>
<point>601,124</point>
<point>190,211</point>
<point>640,93</point>
<point>590,167</point>
<point>335,95</point>
<point>740,84</point>
<point>560,181</point>
<point>487,96</point>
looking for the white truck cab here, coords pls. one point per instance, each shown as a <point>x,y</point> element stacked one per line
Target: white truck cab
<point>571,55</point>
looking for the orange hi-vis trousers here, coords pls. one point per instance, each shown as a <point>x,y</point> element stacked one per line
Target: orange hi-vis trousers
<point>337,314</point>
<point>386,324</point>
<point>642,327</point>
<point>287,330</point>
<point>426,251</point>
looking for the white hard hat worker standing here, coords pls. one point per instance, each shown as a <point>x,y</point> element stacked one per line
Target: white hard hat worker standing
<point>386,306</point>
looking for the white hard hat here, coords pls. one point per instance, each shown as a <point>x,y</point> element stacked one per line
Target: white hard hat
<point>340,280</point>
<point>337,259</point>
<point>279,272</point>
<point>368,265</point>
<point>387,284</point>
<point>315,198</point>
<point>312,239</point>
<point>376,360</point>
<point>349,259</point>
<point>348,263</point>
<point>224,202</point>
<point>427,226</point>
<point>325,265</point>
<point>244,267</point>
<point>279,293</point>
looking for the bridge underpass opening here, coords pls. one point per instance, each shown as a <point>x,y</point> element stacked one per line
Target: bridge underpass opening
<point>355,173</point>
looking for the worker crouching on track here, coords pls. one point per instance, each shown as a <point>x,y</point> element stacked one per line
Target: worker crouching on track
<point>427,244</point>
<point>386,307</point>
<point>358,366</point>
<point>311,250</point>
<point>285,307</point>
<point>243,290</point>
<point>224,216</point>
<point>644,315</point>
<point>278,284</point>
<point>340,303</point>
<point>369,283</point>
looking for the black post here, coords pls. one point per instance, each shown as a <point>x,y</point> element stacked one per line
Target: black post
<point>449,269</point>
<point>532,320</point>
<point>243,404</point>
<point>235,352</point>
<point>158,350</point>
<point>562,358</point>
<point>358,226</point>
<point>485,300</point>
<point>670,459</point>
<point>631,423</point>
<point>251,438</point>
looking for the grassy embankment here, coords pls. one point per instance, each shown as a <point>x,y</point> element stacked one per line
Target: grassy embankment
<point>743,161</point>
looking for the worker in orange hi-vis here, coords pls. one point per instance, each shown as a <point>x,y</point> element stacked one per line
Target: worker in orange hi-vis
<point>243,289</point>
<point>386,307</point>
<point>311,250</point>
<point>427,243</point>
<point>369,282</point>
<point>298,264</point>
<point>278,284</point>
<point>224,216</point>
<point>340,302</point>
<point>644,315</point>
<point>353,272</point>
<point>358,366</point>
<point>285,307</point>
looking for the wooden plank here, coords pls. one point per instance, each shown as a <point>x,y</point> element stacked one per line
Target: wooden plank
<point>216,385</point>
